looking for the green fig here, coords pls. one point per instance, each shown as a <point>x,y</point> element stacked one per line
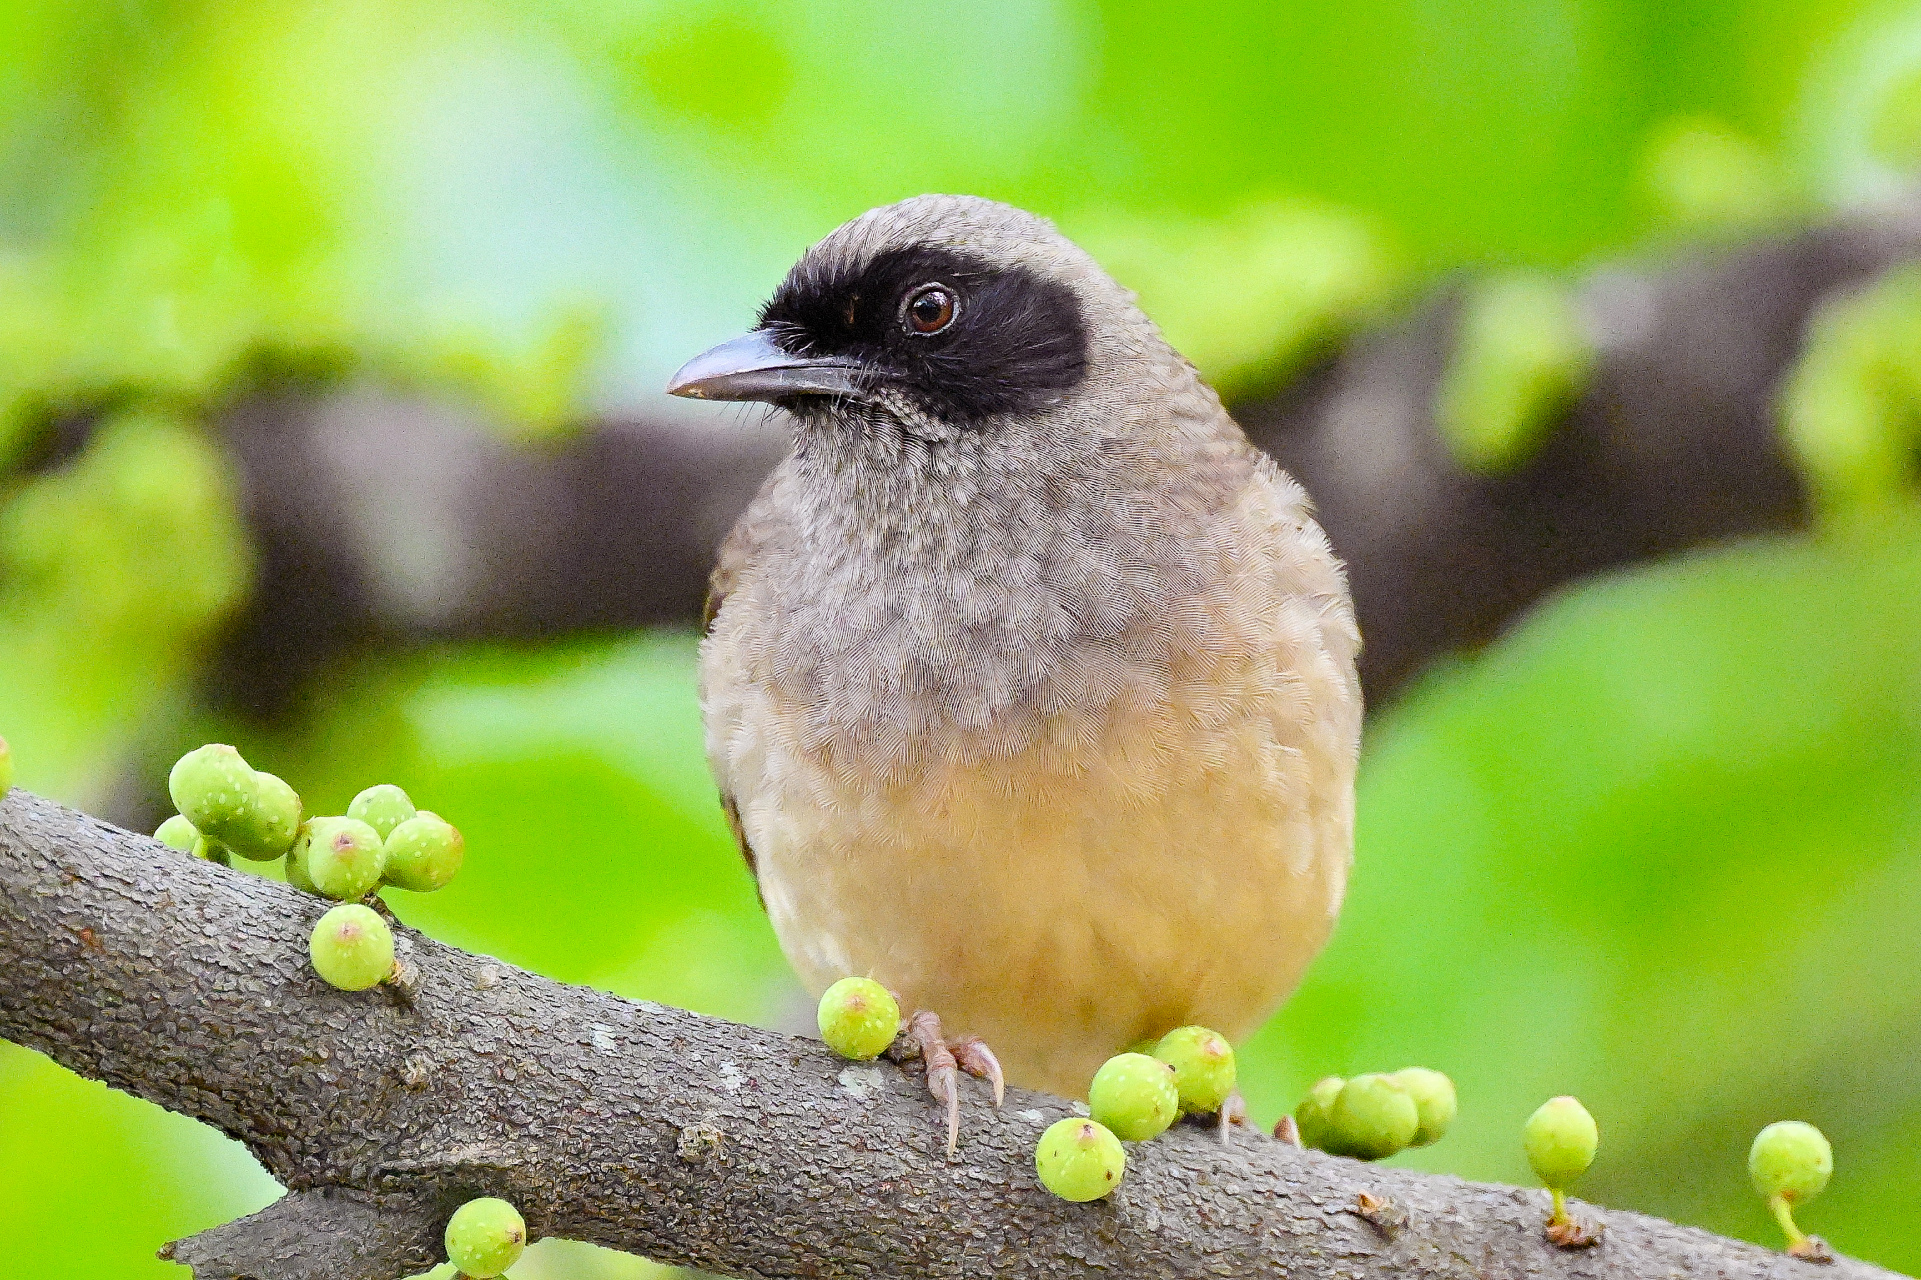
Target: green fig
<point>1079,1159</point>
<point>1134,1095</point>
<point>383,808</point>
<point>485,1237</point>
<point>345,857</point>
<point>1433,1095</point>
<point>1790,1163</point>
<point>352,947</point>
<point>423,853</point>
<point>858,1018</point>
<point>1203,1063</point>
<point>1314,1117</point>
<point>177,833</point>
<point>1373,1117</point>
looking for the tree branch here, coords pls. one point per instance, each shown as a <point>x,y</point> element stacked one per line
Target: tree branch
<point>650,1129</point>
<point>320,1235</point>
<point>1674,441</point>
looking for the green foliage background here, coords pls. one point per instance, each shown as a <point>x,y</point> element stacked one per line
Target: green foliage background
<point>1661,847</point>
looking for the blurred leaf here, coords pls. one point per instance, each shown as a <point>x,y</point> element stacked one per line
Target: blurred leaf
<point>1852,406</point>
<point>1249,296</point>
<point>1705,177</point>
<point>114,571</point>
<point>1854,111</point>
<point>535,385</point>
<point>1521,355</point>
<point>1894,136</point>
<point>238,200</point>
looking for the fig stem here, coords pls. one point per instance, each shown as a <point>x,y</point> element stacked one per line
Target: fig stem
<point>1784,1214</point>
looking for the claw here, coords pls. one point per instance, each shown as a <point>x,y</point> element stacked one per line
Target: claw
<point>922,1039</point>
<point>977,1060</point>
<point>924,1030</point>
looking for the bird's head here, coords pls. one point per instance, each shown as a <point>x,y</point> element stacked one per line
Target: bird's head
<point>941,317</point>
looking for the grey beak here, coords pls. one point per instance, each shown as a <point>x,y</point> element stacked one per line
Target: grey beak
<point>751,367</point>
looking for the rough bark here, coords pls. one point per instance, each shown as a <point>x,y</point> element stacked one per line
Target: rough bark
<point>416,521</point>
<point>650,1129</point>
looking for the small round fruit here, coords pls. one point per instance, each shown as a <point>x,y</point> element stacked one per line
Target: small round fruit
<point>423,853</point>
<point>1433,1095</point>
<point>296,866</point>
<point>271,823</point>
<point>1203,1063</point>
<point>485,1237</point>
<point>1561,1139</point>
<point>177,833</point>
<point>352,947</point>
<point>1134,1095</point>
<point>6,767</point>
<point>1790,1159</point>
<point>344,857</point>
<point>213,788</point>
<point>1079,1159</point>
<point>383,808</point>
<point>1315,1116</point>
<point>1373,1117</point>
<point>858,1018</point>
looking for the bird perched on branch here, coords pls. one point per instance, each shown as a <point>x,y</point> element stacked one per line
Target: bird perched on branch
<point>1028,682</point>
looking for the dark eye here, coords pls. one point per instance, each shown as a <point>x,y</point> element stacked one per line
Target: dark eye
<point>929,309</point>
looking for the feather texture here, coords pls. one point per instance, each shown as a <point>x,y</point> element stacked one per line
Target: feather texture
<point>1045,716</point>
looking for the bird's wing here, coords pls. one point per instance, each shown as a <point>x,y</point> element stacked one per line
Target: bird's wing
<point>719,583</point>
<point>732,810</point>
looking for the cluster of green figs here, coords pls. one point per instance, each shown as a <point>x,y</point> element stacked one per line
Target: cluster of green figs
<point>1373,1116</point>
<point>229,809</point>
<point>1135,1096</point>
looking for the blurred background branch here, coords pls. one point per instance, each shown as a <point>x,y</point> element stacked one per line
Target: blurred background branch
<point>1654,429</point>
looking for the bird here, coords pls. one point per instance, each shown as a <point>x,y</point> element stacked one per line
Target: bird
<point>1029,684</point>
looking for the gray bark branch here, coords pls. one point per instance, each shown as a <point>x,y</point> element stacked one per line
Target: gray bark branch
<point>649,1129</point>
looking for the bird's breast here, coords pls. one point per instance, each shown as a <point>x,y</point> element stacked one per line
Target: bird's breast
<point>1115,876</point>
<point>1061,818</point>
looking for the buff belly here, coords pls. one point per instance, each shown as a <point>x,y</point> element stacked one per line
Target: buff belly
<point>1072,899</point>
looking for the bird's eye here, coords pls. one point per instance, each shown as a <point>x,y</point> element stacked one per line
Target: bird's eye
<point>928,309</point>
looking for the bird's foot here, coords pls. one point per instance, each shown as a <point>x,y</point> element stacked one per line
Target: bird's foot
<point>944,1060</point>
